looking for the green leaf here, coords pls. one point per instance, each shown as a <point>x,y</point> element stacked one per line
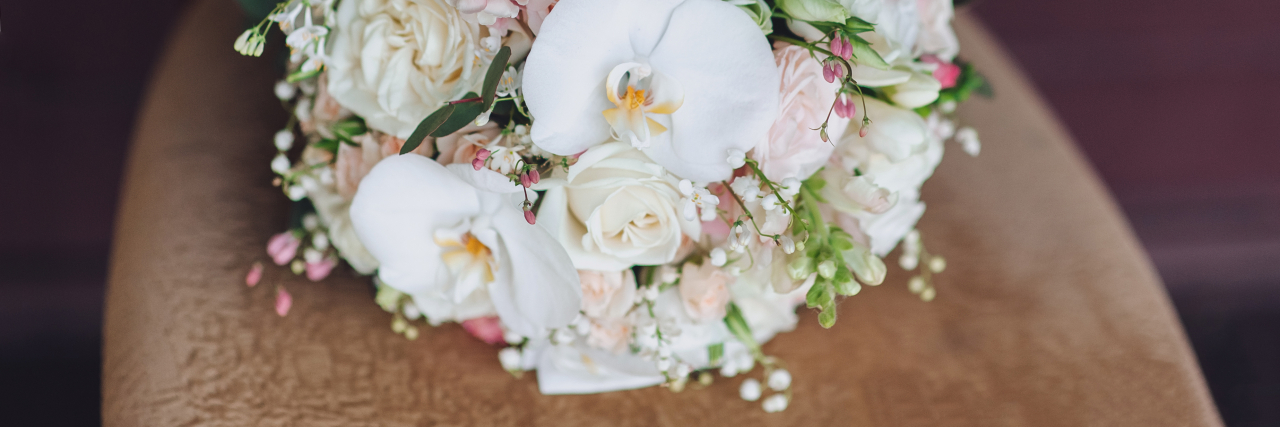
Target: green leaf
<point>827,318</point>
<point>739,328</point>
<point>855,25</point>
<point>302,75</point>
<point>494,75</point>
<point>463,114</point>
<point>863,52</point>
<point>849,288</point>
<point>840,243</point>
<point>330,145</point>
<point>715,352</point>
<point>426,127</point>
<point>820,295</point>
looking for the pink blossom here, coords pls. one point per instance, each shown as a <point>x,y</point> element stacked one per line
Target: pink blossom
<point>317,271</point>
<point>704,290</point>
<point>487,329</point>
<point>607,294</point>
<point>254,276</point>
<point>846,106</point>
<point>354,163</point>
<point>946,73</point>
<point>794,147</point>
<point>283,247</point>
<point>284,301</point>
<point>467,143</point>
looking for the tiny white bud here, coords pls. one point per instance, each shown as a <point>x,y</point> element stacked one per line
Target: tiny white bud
<point>483,118</point>
<point>411,333</point>
<point>686,187</point>
<point>736,158</point>
<point>769,203</point>
<point>320,241</point>
<point>411,311</point>
<point>562,336</point>
<point>916,284</point>
<point>689,210</point>
<point>718,257</point>
<point>297,266</point>
<point>683,370</point>
<point>284,140</point>
<point>827,269</point>
<point>284,90</point>
<point>310,221</point>
<point>651,293</point>
<point>280,164</point>
<point>928,294</point>
<point>937,264</point>
<point>775,403</point>
<point>968,139</point>
<point>664,364</point>
<point>779,380</point>
<point>509,358</point>
<point>312,256</point>
<point>790,187</point>
<point>728,370</point>
<point>296,192</point>
<point>512,337</point>
<point>908,261</point>
<point>668,273</point>
<point>947,106</point>
<point>788,245</point>
<point>750,390</point>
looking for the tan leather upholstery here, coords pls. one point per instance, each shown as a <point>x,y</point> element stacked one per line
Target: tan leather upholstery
<point>1049,314</point>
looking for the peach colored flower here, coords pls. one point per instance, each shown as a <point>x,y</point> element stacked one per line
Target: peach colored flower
<point>612,335</point>
<point>537,11</point>
<point>607,294</point>
<point>794,147</point>
<point>461,146</point>
<point>704,290</point>
<point>355,162</point>
<point>325,111</point>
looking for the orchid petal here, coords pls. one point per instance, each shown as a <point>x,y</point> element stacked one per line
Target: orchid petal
<point>395,213</point>
<point>538,288</point>
<point>484,179</point>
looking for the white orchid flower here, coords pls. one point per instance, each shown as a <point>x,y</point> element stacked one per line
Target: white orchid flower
<point>454,241</point>
<point>684,80</point>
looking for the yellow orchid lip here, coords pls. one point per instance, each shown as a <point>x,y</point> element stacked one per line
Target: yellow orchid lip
<point>638,92</point>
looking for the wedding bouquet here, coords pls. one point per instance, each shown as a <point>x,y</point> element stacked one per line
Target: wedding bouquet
<point>621,193</point>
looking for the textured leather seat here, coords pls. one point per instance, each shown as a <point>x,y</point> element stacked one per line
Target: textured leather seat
<point>1049,314</point>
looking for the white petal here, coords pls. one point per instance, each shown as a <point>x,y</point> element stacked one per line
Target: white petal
<point>727,71</point>
<point>395,213</point>
<point>537,287</point>
<point>484,179</point>
<point>580,370</point>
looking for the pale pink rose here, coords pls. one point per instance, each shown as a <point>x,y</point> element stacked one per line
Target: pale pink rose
<point>355,162</point>
<point>704,290</point>
<point>793,147</point>
<point>461,146</point>
<point>537,11</point>
<point>487,329</point>
<point>607,294</point>
<point>254,276</point>
<point>284,301</point>
<point>612,335</point>
<point>283,247</point>
<point>317,271</point>
<point>325,111</point>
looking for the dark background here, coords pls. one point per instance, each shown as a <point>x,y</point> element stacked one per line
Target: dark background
<point>1174,102</point>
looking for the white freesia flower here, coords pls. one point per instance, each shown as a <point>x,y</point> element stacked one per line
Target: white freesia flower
<point>396,61</point>
<point>686,80</point>
<point>449,238</point>
<point>615,208</point>
<point>898,154</point>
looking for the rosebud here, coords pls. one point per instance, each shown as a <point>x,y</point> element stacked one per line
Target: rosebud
<point>534,175</point>
<point>483,154</point>
<point>863,132</point>
<point>528,216</point>
<point>477,163</point>
<point>526,180</point>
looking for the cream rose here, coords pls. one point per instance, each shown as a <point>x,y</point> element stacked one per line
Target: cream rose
<point>794,148</point>
<point>704,291</point>
<point>396,61</point>
<point>607,294</point>
<point>615,208</point>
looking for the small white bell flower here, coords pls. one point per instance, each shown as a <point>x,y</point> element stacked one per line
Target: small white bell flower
<point>736,158</point>
<point>284,140</point>
<point>510,358</point>
<point>750,390</point>
<point>775,403</point>
<point>718,257</point>
<point>779,380</point>
<point>280,164</point>
<point>284,90</point>
<point>320,241</point>
<point>296,192</point>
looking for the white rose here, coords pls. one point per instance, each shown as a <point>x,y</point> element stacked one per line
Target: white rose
<point>616,208</point>
<point>898,154</point>
<point>396,61</point>
<point>936,35</point>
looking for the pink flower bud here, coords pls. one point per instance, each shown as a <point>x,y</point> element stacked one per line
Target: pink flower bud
<point>841,47</point>
<point>254,276</point>
<point>528,216</point>
<point>283,247</point>
<point>284,301</point>
<point>487,329</point>
<point>862,132</point>
<point>829,72</point>
<point>946,73</point>
<point>317,271</point>
<point>534,175</point>
<point>526,180</point>
<point>846,107</point>
<point>477,163</point>
<point>483,154</point>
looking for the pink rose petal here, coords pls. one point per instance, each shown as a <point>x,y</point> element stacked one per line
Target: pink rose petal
<point>283,301</point>
<point>317,271</point>
<point>487,329</point>
<point>283,247</point>
<point>254,276</point>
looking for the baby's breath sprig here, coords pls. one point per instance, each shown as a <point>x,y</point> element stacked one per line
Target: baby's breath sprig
<point>915,255</point>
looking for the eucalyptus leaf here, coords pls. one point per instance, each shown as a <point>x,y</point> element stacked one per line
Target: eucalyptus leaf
<point>463,114</point>
<point>426,127</point>
<point>494,75</point>
<point>865,54</point>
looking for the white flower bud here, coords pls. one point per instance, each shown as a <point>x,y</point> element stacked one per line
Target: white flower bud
<point>562,336</point>
<point>320,241</point>
<point>284,90</point>
<point>411,311</point>
<point>310,221</point>
<point>750,390</point>
<point>728,370</point>
<point>651,293</point>
<point>284,140</point>
<point>788,245</point>
<point>908,261</point>
<point>734,271</point>
<point>916,284</point>
<point>512,337</point>
<point>937,264</point>
<point>510,358</point>
<point>280,164</point>
<point>312,256</point>
<point>683,370</point>
<point>775,403</point>
<point>827,269</point>
<point>664,364</point>
<point>779,380</point>
<point>718,257</point>
<point>736,158</point>
<point>947,106</point>
<point>928,294</point>
<point>296,192</point>
<point>769,203</point>
<point>297,266</point>
<point>790,187</point>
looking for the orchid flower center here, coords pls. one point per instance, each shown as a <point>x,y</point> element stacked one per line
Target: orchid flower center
<point>639,93</point>
<point>467,259</point>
